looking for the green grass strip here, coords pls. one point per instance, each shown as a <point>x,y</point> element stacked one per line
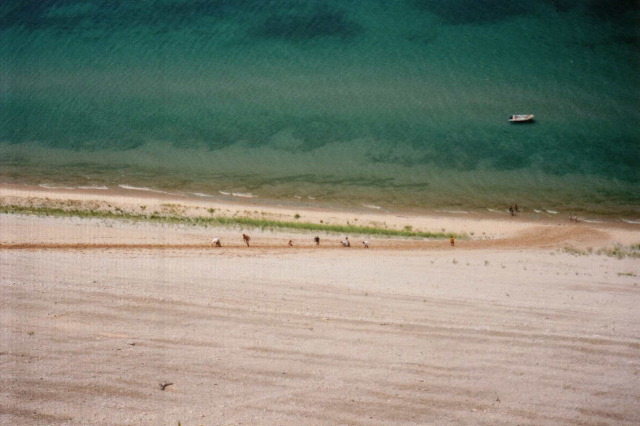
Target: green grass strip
<point>226,221</point>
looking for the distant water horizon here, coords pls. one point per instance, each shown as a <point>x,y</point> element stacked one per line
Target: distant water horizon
<point>400,106</point>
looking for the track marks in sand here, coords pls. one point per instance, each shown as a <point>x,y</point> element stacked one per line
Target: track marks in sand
<point>244,342</point>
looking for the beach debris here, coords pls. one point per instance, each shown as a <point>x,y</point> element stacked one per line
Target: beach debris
<point>164,385</point>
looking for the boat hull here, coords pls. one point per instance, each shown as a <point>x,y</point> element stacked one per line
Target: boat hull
<point>521,118</point>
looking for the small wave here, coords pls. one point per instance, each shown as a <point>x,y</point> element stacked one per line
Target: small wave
<point>537,211</point>
<point>238,194</point>
<point>633,222</point>
<point>371,206</point>
<point>551,211</point>
<point>143,188</point>
<point>135,188</point>
<point>44,185</point>
<point>101,188</point>
<point>201,195</point>
<point>591,221</point>
<point>494,210</point>
<point>310,197</point>
<point>298,197</point>
<point>456,211</point>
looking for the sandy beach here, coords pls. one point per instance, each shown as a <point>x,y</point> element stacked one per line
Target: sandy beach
<point>120,322</point>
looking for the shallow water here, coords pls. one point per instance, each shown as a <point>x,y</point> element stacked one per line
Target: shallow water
<point>398,106</point>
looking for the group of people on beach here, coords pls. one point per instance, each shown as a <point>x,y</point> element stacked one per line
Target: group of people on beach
<point>216,242</point>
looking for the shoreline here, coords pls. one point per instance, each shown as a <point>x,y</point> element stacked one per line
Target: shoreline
<point>528,213</point>
<point>473,227</point>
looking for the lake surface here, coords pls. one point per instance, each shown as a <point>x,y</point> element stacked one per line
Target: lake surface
<point>391,105</point>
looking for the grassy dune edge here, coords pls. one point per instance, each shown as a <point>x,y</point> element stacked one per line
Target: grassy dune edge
<point>217,221</point>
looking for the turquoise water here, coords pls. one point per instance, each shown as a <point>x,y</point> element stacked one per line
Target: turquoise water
<point>398,105</point>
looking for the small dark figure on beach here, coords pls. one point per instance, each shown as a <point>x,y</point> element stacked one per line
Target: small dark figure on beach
<point>365,244</point>
<point>216,242</point>
<point>346,242</point>
<point>511,211</point>
<point>317,240</point>
<point>290,243</point>
<point>246,239</point>
<point>452,241</point>
<point>516,208</point>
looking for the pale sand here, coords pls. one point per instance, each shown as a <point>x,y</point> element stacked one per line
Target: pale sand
<point>505,328</point>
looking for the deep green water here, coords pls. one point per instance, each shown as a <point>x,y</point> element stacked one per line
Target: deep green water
<point>396,104</point>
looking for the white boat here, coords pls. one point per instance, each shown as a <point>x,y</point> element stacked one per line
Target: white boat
<point>519,118</point>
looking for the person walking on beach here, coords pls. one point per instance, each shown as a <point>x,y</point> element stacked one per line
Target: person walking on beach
<point>317,240</point>
<point>452,241</point>
<point>216,242</point>
<point>246,239</point>
<point>290,243</point>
